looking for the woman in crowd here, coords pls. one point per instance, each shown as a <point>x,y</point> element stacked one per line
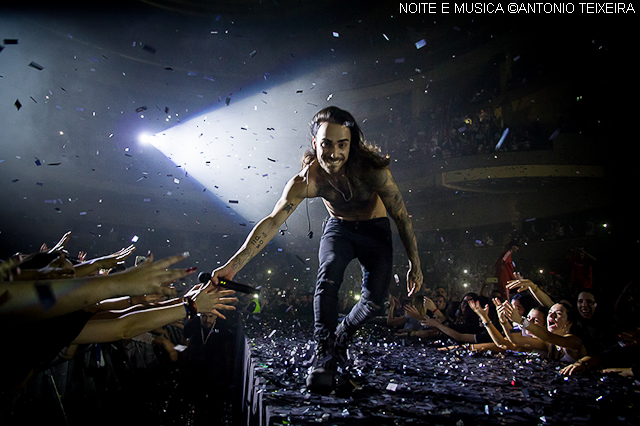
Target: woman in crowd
<point>536,315</point>
<point>556,340</point>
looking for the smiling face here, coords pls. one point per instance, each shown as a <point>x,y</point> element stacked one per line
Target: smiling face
<point>332,143</point>
<point>558,320</point>
<point>586,305</point>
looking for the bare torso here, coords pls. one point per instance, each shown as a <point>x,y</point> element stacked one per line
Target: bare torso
<point>354,199</point>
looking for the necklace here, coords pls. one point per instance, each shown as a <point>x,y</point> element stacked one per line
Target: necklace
<point>204,340</point>
<point>343,196</point>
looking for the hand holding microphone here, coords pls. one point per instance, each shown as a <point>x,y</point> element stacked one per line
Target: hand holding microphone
<point>205,277</point>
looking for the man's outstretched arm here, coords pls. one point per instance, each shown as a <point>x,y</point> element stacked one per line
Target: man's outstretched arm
<point>391,197</point>
<point>294,192</point>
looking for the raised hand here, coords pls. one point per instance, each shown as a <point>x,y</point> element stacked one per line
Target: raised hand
<point>7,268</point>
<point>413,312</point>
<point>500,309</point>
<point>215,300</point>
<point>60,244</point>
<point>57,268</point>
<point>429,304</point>
<point>150,277</point>
<point>483,313</point>
<point>105,262</point>
<point>510,313</point>
<point>114,259</point>
<point>520,283</point>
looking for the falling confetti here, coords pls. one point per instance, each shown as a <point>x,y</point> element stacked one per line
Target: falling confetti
<point>504,135</point>
<point>36,66</point>
<point>149,49</point>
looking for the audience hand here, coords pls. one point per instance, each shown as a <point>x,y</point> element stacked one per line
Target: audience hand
<point>59,245</point>
<point>215,300</point>
<point>624,372</point>
<point>151,277</point>
<point>58,268</point>
<point>429,304</point>
<point>413,312</point>
<point>147,299</point>
<point>521,284</point>
<point>105,262</point>
<point>506,309</point>
<point>483,313</point>
<point>7,268</point>
<point>430,322</point>
<point>575,368</point>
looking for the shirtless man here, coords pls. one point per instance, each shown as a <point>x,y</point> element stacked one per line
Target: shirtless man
<point>358,191</point>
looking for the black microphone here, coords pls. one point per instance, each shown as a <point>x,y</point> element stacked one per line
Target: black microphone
<point>204,278</point>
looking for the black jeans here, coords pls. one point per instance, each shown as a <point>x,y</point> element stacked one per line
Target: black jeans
<point>342,241</point>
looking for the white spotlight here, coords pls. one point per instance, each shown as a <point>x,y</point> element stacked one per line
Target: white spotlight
<point>146,138</point>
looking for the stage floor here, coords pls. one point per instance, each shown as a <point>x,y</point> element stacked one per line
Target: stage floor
<point>408,381</point>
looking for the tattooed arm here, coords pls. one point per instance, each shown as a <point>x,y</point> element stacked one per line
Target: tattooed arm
<point>294,192</point>
<point>389,193</point>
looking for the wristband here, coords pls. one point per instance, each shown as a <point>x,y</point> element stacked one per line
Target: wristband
<point>486,324</point>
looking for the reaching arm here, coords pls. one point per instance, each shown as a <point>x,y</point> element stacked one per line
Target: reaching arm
<point>135,323</point>
<point>34,300</point>
<point>495,335</point>
<point>455,335</point>
<point>522,285</point>
<point>542,334</point>
<point>92,266</point>
<point>294,192</point>
<point>391,197</point>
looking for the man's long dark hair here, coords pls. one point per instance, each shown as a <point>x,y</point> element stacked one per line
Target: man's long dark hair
<point>362,155</point>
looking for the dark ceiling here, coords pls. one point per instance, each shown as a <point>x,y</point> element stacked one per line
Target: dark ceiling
<point>233,85</point>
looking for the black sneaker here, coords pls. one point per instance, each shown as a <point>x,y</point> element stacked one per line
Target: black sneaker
<point>322,374</point>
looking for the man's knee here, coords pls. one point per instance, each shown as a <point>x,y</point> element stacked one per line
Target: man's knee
<point>327,288</point>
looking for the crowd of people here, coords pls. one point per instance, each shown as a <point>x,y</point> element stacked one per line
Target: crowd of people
<point>60,310</point>
<point>456,133</point>
<point>57,309</point>
<point>578,330</point>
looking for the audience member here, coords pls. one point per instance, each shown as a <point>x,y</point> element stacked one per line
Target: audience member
<point>47,316</point>
<point>504,268</point>
<point>555,339</point>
